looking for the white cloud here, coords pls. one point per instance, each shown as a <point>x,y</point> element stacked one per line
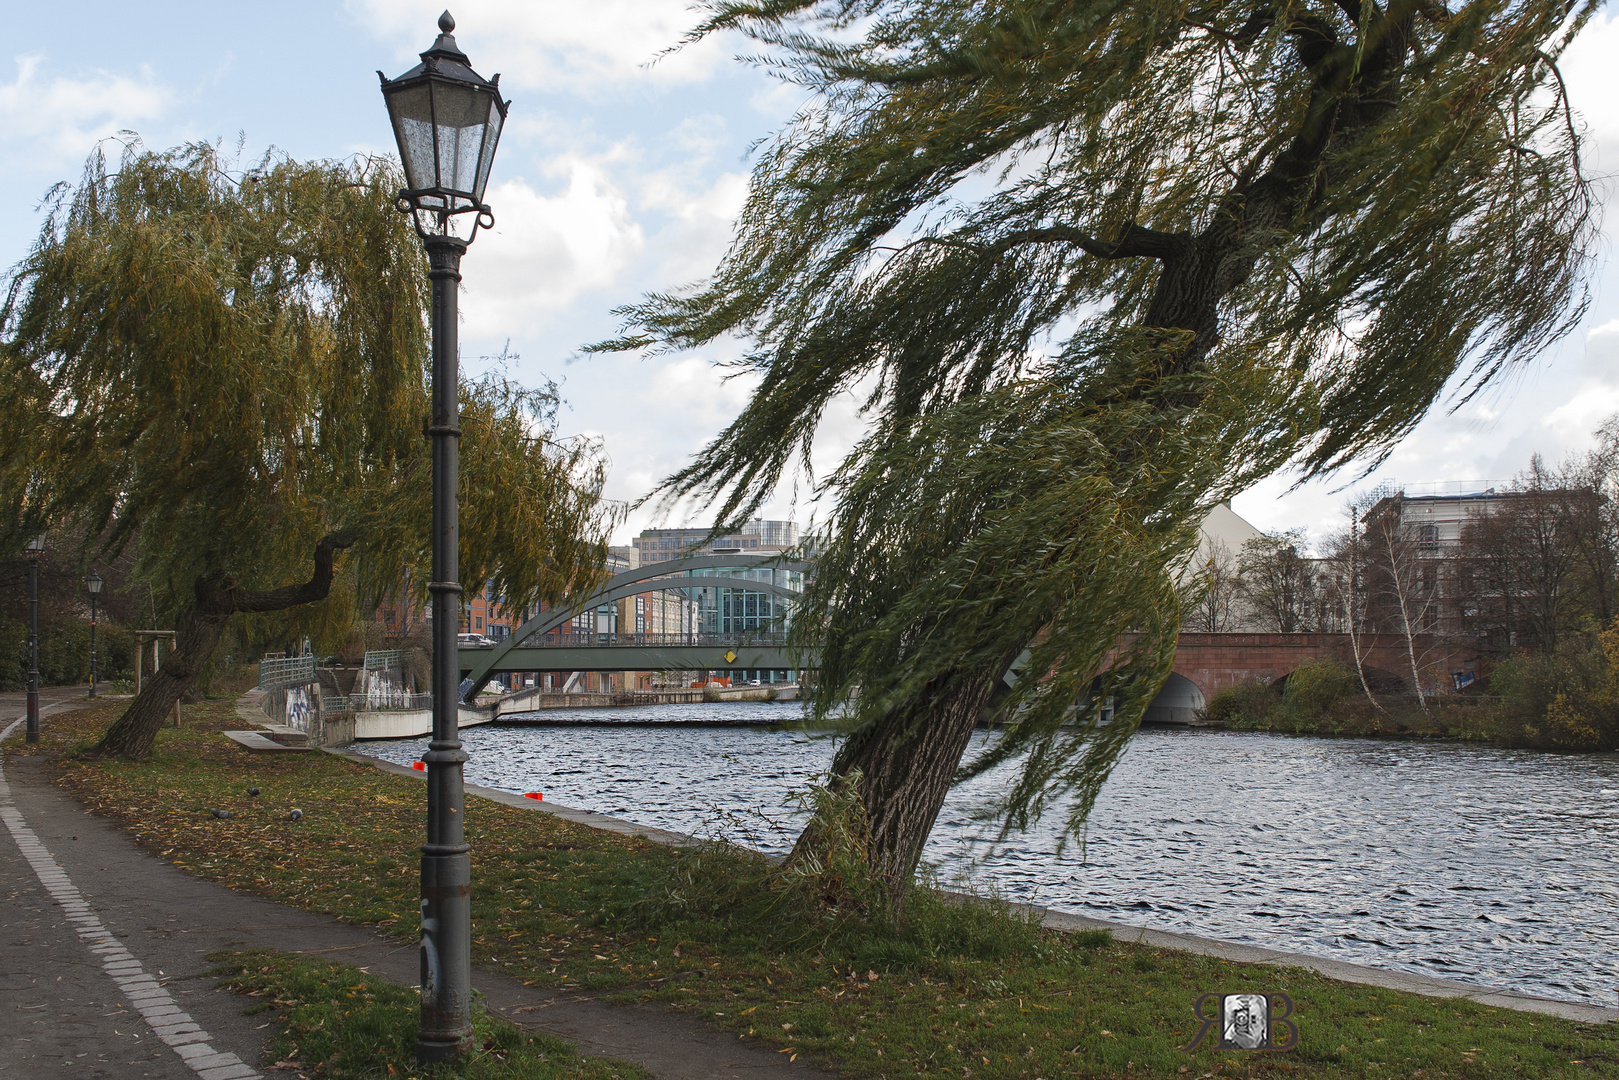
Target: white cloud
<point>1599,364</point>
<point>599,45</point>
<point>698,222</point>
<point>62,118</point>
<point>546,250</point>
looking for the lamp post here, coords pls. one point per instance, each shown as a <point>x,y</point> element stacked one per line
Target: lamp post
<point>447,120</point>
<point>93,583</point>
<point>34,547</point>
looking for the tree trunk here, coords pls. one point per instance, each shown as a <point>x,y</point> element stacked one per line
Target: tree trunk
<point>132,734</point>
<point>906,764</point>
<point>217,599</point>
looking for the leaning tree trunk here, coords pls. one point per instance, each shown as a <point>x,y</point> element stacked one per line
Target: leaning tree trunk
<point>906,763</point>
<point>217,599</point>
<point>132,734</point>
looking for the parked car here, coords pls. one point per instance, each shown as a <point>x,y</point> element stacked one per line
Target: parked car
<point>473,641</point>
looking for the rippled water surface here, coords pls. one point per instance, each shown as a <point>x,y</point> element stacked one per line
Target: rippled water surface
<point>1493,866</point>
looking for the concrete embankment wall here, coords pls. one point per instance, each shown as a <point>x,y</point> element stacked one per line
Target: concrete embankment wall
<point>535,700</point>
<point>412,723</point>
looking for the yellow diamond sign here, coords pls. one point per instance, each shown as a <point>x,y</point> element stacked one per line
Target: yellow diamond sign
<point>730,656</point>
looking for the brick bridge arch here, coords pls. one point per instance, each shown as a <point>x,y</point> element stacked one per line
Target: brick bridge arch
<point>1205,664</point>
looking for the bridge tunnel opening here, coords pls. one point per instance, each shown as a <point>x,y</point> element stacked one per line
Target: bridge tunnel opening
<point>1179,702</point>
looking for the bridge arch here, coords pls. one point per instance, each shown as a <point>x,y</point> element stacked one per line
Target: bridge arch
<point>1178,702</point>
<point>654,577</point>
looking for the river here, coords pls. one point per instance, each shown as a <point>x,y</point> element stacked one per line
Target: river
<point>1491,866</point>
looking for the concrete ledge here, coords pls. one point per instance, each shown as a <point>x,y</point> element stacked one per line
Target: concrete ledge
<point>1428,986</point>
<point>286,736</point>
<point>250,707</point>
<point>260,743</point>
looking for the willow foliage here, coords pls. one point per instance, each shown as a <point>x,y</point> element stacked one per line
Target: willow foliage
<point>226,369</point>
<point>1097,264</point>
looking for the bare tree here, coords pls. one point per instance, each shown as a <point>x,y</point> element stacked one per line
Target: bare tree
<point>1211,604</point>
<point>1277,582</point>
<point>1402,581</point>
<point>1593,508</point>
<point>1346,568</point>
<point>1524,558</point>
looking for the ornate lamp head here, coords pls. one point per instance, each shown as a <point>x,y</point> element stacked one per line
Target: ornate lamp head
<point>447,120</point>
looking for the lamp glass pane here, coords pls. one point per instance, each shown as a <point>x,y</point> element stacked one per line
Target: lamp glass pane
<point>490,138</point>
<point>461,111</point>
<point>412,113</point>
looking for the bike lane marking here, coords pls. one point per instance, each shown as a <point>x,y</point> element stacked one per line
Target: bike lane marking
<point>170,1023</point>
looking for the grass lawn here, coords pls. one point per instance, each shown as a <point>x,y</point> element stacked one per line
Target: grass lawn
<point>340,1023</point>
<point>955,991</point>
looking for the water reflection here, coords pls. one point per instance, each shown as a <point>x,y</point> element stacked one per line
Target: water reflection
<point>1493,866</point>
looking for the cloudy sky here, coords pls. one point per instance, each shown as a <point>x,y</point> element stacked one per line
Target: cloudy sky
<point>618,175</point>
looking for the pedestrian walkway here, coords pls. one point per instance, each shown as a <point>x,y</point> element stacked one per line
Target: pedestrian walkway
<point>103,949</point>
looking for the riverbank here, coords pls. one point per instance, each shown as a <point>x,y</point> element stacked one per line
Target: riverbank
<point>1470,720</point>
<point>955,991</point>
<point>1567,702</point>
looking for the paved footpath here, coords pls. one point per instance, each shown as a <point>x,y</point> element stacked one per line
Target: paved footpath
<point>103,949</point>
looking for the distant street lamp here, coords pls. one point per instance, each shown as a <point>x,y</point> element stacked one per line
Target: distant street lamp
<point>93,583</point>
<point>447,119</point>
<point>34,547</point>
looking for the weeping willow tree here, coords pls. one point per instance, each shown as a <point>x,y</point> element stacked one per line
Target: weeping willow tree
<point>1092,267</point>
<point>228,372</point>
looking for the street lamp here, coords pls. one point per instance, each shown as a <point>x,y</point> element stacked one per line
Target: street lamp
<point>447,120</point>
<point>34,547</point>
<point>93,583</point>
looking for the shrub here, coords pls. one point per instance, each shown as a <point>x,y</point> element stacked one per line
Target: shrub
<point>64,652</point>
<point>1245,703</point>
<point>1568,700</point>
<point>1315,686</point>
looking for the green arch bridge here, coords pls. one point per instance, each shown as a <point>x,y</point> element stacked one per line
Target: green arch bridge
<point>539,644</point>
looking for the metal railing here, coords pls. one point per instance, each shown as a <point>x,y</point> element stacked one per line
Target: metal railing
<point>375,702</point>
<point>561,639</point>
<point>286,671</point>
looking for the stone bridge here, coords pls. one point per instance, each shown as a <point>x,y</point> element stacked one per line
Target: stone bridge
<point>1205,664</point>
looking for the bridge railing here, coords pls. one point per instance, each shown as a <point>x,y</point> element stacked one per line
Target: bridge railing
<point>377,703</point>
<point>286,671</point>
<point>573,639</point>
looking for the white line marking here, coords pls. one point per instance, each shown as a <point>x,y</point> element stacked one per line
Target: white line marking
<point>166,1019</point>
